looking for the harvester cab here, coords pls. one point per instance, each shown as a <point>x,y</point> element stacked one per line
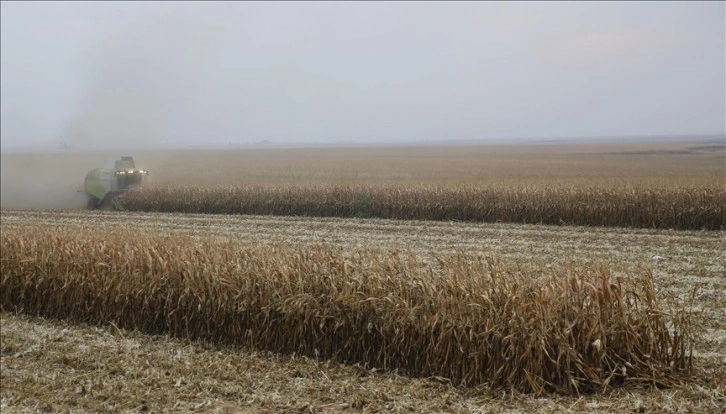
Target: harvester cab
<point>102,186</point>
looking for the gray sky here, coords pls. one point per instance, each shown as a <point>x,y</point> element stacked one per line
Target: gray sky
<point>94,74</point>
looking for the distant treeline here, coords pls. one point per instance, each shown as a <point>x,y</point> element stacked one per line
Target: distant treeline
<point>666,208</point>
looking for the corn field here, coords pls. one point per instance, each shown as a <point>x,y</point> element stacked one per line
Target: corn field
<point>669,208</point>
<point>466,318</point>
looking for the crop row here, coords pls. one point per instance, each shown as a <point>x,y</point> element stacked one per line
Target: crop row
<point>677,208</point>
<point>469,319</point>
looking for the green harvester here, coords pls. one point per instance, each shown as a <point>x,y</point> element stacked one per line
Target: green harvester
<point>102,185</point>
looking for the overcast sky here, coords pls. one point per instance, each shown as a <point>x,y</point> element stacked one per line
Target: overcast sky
<point>95,73</point>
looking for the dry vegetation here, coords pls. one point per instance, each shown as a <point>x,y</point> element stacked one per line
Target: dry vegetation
<point>469,320</point>
<point>53,366</point>
<point>612,165</point>
<point>678,208</point>
<point>120,371</point>
<point>50,181</point>
<point>421,298</point>
<point>647,185</point>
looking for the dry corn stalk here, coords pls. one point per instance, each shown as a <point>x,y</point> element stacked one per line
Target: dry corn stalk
<point>469,318</point>
<point>678,208</point>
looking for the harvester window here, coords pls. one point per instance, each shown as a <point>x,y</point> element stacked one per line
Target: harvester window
<point>127,179</point>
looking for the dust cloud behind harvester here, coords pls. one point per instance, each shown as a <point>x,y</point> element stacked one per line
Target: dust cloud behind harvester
<point>142,80</point>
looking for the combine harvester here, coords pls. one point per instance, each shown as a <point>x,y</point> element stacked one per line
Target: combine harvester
<point>103,185</point>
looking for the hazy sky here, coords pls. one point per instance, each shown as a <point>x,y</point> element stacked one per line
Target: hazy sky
<point>94,73</point>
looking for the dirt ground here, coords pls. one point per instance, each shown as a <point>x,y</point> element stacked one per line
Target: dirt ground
<point>54,366</point>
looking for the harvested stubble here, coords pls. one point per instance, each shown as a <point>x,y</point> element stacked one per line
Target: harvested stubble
<point>676,208</point>
<point>467,318</point>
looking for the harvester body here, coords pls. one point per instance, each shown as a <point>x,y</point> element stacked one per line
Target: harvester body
<point>103,185</point>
